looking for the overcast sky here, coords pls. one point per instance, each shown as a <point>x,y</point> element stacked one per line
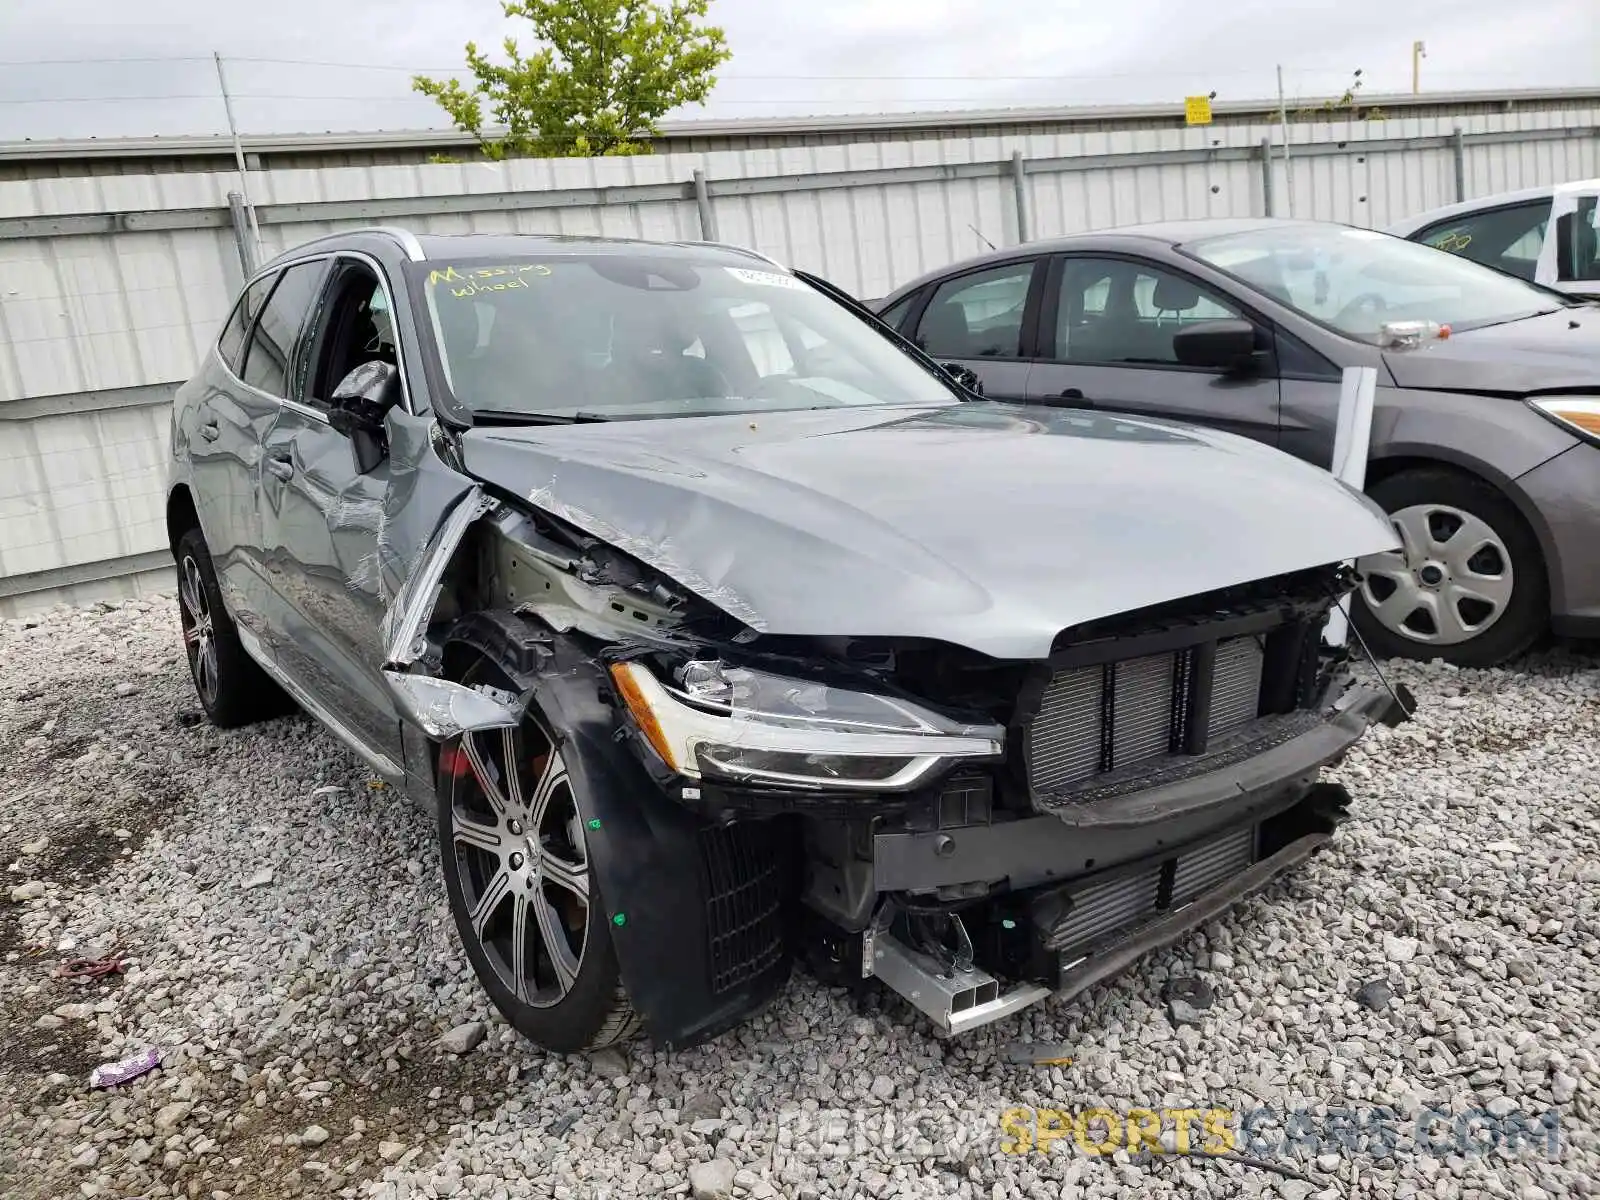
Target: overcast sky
<point>67,69</point>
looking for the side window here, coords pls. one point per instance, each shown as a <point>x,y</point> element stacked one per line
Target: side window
<point>977,315</point>
<point>1507,239</point>
<point>352,327</point>
<point>1115,311</point>
<point>895,314</point>
<point>268,360</point>
<point>231,344</point>
<point>1578,243</point>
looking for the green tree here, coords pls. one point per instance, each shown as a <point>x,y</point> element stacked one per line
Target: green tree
<point>604,72</point>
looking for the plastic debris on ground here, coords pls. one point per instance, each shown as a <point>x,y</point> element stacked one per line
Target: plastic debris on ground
<point>111,1074</point>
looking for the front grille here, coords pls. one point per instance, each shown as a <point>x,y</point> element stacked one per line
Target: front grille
<point>1099,911</point>
<point>1109,716</point>
<point>742,870</point>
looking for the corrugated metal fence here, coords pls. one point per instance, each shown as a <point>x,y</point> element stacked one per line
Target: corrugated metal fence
<point>112,287</point>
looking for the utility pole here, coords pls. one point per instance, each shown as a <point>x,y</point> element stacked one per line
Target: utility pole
<point>1283,120</point>
<point>238,157</point>
<point>1418,53</point>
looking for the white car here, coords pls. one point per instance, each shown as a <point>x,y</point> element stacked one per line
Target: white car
<point>1510,232</point>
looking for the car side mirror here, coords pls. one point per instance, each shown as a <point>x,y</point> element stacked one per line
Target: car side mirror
<point>360,402</point>
<point>1228,345</point>
<point>965,376</point>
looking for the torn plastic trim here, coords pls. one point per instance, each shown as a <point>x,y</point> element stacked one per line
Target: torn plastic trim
<point>407,617</point>
<point>444,709</point>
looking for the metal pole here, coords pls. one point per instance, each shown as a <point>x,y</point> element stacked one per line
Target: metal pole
<point>1283,119</point>
<point>238,156</point>
<point>1266,176</point>
<point>1458,149</point>
<point>1019,182</point>
<point>241,233</point>
<point>1352,439</point>
<point>702,201</point>
<point>1419,51</point>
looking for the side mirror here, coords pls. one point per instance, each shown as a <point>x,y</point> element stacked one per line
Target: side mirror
<point>1219,345</point>
<point>965,376</point>
<point>360,402</point>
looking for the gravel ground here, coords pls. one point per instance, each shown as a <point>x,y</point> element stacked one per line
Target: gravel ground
<point>291,955</point>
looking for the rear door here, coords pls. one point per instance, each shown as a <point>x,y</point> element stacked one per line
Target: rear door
<point>983,319</point>
<point>224,433</point>
<point>1106,332</point>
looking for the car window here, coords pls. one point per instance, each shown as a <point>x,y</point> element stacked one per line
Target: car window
<point>1357,281</point>
<point>352,327</point>
<point>1118,311</point>
<point>1507,239</point>
<point>612,334</point>
<point>267,362</point>
<point>896,312</point>
<point>978,315</point>
<point>1579,244</point>
<point>231,344</point>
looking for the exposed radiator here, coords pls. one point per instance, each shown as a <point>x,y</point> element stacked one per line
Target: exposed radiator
<point>1098,911</point>
<point>1077,734</point>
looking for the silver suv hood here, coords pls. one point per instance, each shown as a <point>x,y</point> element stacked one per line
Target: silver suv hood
<point>984,525</point>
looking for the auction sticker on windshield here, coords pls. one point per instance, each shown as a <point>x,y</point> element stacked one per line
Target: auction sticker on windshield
<point>766,278</point>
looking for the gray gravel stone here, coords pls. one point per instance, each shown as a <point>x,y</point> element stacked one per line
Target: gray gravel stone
<point>465,1037</point>
<point>711,1180</point>
<point>314,1135</point>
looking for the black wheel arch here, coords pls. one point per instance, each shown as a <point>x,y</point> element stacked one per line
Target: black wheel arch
<point>644,848</point>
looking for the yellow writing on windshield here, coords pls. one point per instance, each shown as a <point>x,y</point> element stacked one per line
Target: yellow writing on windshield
<point>475,281</point>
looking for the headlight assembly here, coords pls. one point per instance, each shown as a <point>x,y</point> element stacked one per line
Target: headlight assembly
<point>1575,414</point>
<point>748,726</point>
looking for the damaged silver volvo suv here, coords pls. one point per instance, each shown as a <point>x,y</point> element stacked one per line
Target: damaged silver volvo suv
<point>720,626</point>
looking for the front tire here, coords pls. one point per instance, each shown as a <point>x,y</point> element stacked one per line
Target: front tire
<point>526,905</point>
<point>1469,583</point>
<point>232,687</point>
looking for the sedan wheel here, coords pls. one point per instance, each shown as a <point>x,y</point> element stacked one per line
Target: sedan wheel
<point>1452,580</point>
<point>1467,584</point>
<point>515,849</point>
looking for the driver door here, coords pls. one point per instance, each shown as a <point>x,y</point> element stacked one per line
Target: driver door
<point>323,518</point>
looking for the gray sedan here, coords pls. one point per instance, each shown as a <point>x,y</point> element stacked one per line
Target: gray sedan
<point>1486,438</point>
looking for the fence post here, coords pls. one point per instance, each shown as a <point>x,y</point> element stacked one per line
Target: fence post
<point>702,201</point>
<point>1266,176</point>
<point>1458,149</point>
<point>241,233</point>
<point>1019,183</point>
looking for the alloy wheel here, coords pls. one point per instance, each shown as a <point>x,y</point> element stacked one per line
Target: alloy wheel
<point>199,631</point>
<point>1450,581</point>
<point>519,848</point>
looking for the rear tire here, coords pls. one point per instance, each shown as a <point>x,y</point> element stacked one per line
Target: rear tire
<point>1469,585</point>
<point>232,687</point>
<point>525,902</point>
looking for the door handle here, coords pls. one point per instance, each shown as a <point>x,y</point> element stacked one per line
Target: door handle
<point>1070,398</point>
<point>209,429</point>
<point>280,467</point>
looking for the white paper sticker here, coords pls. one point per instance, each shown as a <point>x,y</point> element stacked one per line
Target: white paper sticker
<point>765,278</point>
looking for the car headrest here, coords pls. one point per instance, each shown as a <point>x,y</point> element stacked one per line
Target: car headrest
<point>945,329</point>
<point>1175,295</point>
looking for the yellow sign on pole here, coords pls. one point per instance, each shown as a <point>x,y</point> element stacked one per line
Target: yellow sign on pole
<point>1197,110</point>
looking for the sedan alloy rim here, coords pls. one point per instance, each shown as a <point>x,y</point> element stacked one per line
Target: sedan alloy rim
<point>1450,581</point>
<point>519,852</point>
<point>199,633</point>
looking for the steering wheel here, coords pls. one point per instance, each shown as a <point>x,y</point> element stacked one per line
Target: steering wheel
<point>1367,303</point>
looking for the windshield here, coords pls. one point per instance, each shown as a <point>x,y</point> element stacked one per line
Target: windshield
<point>611,336</point>
<point>1356,280</point>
